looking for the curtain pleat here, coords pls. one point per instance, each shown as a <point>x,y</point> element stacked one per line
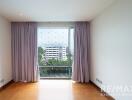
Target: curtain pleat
<point>81,52</point>
<point>24,51</point>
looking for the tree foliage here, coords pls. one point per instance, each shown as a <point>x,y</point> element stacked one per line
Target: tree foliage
<point>41,56</point>
<point>52,62</point>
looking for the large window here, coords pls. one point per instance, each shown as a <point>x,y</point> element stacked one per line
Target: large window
<point>55,52</point>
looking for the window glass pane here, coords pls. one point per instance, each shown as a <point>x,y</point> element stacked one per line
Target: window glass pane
<point>55,52</point>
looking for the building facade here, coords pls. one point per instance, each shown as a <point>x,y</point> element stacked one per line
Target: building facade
<point>56,52</point>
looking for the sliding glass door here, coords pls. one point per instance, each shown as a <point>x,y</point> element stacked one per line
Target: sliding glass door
<point>55,52</point>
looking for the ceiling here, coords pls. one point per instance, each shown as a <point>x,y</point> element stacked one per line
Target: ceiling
<point>52,10</point>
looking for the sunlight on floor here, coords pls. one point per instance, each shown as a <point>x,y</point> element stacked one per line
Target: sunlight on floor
<point>55,90</point>
<point>55,83</point>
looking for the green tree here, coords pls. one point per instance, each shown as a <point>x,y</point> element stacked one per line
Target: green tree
<point>69,59</point>
<point>53,62</point>
<point>41,56</point>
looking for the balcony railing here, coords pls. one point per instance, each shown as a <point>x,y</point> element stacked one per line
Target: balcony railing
<point>55,72</point>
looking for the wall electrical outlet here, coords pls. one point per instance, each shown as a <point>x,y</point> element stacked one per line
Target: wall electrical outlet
<point>2,81</point>
<point>99,81</point>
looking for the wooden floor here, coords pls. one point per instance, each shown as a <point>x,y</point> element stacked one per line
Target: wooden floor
<point>51,90</point>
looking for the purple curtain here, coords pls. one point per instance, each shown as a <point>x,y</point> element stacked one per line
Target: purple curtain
<point>24,51</point>
<point>81,52</point>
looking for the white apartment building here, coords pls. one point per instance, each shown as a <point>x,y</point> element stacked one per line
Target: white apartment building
<point>56,52</point>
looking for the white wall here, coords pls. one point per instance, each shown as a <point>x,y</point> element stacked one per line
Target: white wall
<point>5,51</point>
<point>111,46</point>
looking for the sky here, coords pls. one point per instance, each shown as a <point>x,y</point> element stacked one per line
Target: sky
<point>53,36</point>
<point>56,36</point>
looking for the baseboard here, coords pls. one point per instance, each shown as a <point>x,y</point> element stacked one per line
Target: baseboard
<point>103,92</point>
<point>6,85</point>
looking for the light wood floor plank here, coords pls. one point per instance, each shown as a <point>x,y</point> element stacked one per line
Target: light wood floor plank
<point>51,90</point>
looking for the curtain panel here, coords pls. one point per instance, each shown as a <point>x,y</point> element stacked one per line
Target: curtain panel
<point>24,51</point>
<point>81,52</point>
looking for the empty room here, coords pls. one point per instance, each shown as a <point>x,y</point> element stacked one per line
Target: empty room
<point>66,50</point>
